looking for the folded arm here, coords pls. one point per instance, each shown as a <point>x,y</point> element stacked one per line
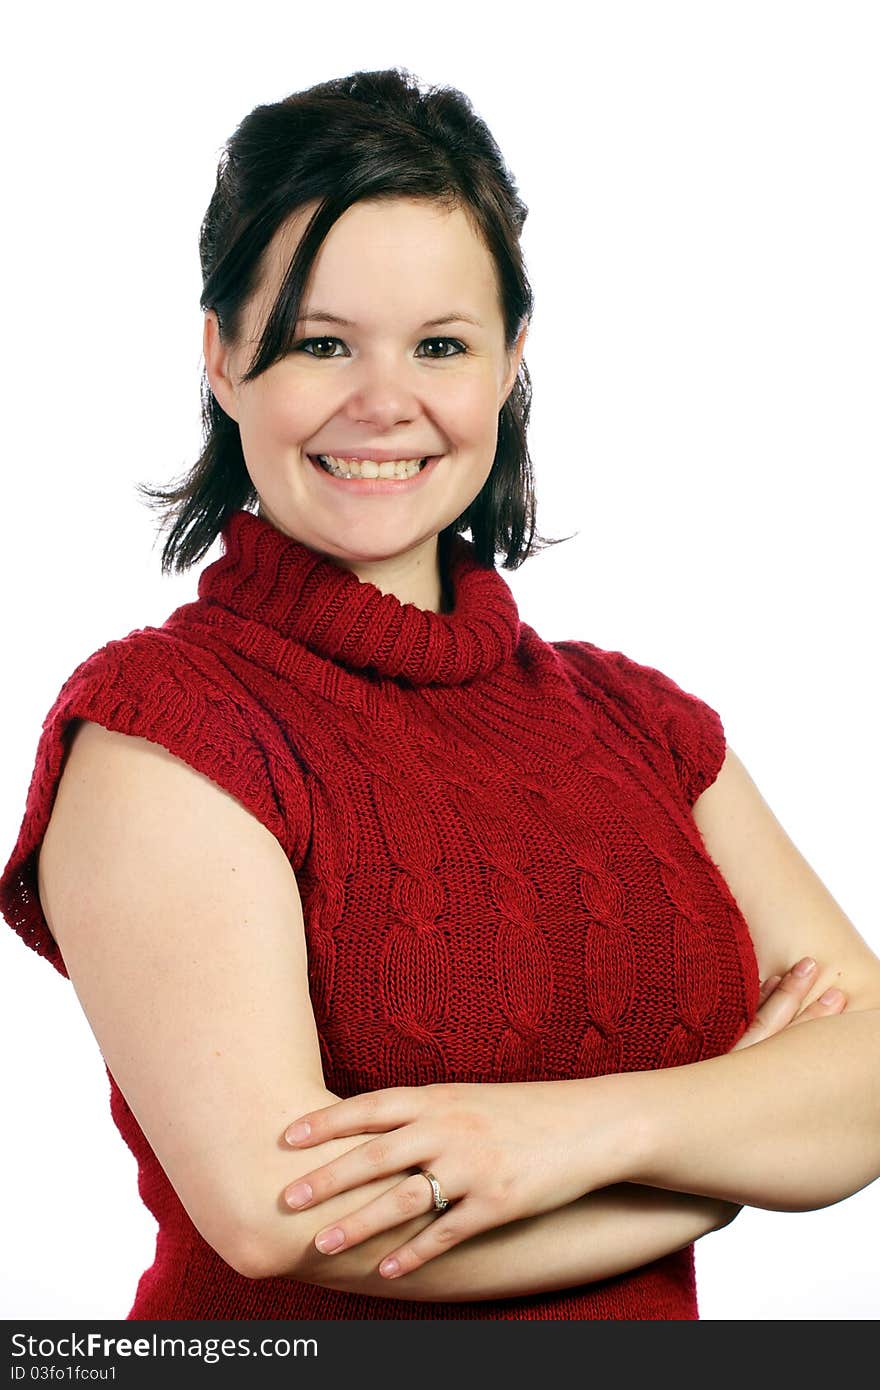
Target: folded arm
<point>606,1232</point>
<point>156,884</point>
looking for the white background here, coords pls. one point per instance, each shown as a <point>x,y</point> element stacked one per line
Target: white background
<point>702,241</point>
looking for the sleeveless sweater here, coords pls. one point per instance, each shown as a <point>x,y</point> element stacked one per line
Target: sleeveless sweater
<point>493,841</point>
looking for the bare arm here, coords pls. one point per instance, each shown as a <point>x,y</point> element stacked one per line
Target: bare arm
<point>807,1107</point>
<point>600,1235</point>
<point>180,923</point>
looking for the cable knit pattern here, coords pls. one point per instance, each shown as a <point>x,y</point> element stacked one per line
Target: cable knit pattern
<point>492,836</point>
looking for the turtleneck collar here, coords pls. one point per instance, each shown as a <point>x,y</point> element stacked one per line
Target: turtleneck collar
<point>272,578</point>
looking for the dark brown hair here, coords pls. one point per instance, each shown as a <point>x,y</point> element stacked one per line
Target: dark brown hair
<point>370,135</point>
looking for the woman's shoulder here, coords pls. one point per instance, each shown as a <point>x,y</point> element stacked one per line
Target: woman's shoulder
<point>147,659</point>
<point>157,683</point>
<point>154,686</point>
<point>646,703</point>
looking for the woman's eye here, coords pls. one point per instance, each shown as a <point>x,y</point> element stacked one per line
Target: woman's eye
<point>307,345</point>
<point>308,342</point>
<point>449,342</point>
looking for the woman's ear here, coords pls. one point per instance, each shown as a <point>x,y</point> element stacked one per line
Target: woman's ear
<point>514,358</point>
<point>217,359</point>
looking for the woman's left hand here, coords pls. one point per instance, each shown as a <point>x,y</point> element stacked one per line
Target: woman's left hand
<point>499,1152</point>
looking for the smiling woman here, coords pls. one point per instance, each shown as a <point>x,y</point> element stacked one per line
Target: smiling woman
<point>382,404</point>
<point>346,842</point>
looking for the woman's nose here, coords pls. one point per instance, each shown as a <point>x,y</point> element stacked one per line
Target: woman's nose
<point>382,394</point>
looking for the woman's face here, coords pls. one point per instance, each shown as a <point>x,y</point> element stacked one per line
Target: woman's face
<point>386,383</point>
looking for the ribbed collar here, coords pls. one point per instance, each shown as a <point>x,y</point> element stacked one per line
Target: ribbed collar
<point>303,595</point>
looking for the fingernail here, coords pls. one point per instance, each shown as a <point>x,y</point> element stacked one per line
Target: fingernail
<point>389,1268</point>
<point>301,1130</point>
<point>300,1194</point>
<point>831,996</point>
<point>804,966</point>
<point>329,1240</point>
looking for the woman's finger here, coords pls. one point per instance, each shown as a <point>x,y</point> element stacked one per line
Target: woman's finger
<point>411,1197</point>
<point>833,1001</point>
<point>767,988</point>
<point>368,1112</point>
<point>381,1157</point>
<point>781,1004</point>
<point>462,1221</point>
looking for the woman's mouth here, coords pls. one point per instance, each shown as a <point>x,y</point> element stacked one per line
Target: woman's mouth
<point>367,476</point>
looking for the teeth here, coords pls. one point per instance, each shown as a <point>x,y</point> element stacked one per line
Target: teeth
<point>367,468</point>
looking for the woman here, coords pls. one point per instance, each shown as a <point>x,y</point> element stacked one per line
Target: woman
<point>346,842</point>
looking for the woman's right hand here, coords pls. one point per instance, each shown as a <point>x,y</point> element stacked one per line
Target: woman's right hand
<point>780,1005</point>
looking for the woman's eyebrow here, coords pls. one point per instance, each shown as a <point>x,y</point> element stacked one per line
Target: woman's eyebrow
<point>324,316</point>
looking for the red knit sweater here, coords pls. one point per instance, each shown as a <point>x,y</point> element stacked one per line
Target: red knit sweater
<point>500,874</point>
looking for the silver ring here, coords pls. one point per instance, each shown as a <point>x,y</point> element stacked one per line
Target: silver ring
<point>440,1202</point>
